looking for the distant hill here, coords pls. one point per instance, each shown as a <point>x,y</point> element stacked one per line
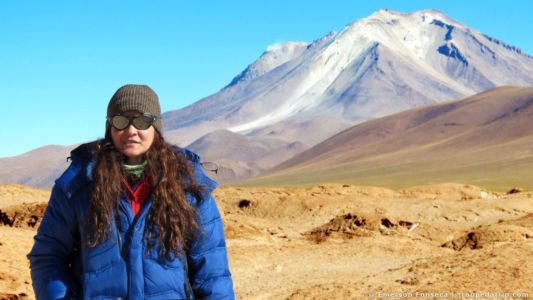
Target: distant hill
<point>486,139</point>
<point>37,168</point>
<point>239,156</point>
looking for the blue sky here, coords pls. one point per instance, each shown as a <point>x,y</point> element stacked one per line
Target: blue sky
<point>60,61</point>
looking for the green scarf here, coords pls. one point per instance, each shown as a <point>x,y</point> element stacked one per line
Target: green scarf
<point>134,171</point>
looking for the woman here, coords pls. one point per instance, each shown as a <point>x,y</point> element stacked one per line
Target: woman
<point>132,217</point>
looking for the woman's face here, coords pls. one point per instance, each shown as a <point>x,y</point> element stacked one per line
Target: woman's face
<point>133,142</point>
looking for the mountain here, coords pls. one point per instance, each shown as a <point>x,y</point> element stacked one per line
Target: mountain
<point>485,140</point>
<point>379,65</point>
<point>376,66</point>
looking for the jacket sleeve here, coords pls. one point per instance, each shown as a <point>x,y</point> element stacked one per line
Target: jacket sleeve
<point>208,262</point>
<point>49,257</point>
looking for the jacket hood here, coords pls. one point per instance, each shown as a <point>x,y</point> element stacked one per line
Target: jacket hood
<point>80,171</point>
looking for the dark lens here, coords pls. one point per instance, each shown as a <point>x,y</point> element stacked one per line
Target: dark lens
<point>120,122</point>
<point>142,122</point>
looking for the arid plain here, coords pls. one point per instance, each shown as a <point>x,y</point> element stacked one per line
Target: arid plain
<point>337,241</point>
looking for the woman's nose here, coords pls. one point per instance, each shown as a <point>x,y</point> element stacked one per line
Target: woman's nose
<point>131,129</point>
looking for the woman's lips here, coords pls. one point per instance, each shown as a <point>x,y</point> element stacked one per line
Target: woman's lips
<point>131,143</point>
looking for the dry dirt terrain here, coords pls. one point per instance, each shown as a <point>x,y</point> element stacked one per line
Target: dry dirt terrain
<point>447,241</point>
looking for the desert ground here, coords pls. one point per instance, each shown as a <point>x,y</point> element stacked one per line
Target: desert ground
<point>334,241</point>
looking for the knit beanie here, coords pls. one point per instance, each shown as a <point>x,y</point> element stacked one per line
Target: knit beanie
<point>134,97</point>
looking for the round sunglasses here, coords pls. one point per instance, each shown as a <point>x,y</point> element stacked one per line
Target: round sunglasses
<point>142,122</point>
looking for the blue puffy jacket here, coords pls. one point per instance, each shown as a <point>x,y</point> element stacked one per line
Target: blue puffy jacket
<point>121,267</point>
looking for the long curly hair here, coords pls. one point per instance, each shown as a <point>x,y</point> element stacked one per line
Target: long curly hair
<point>171,219</point>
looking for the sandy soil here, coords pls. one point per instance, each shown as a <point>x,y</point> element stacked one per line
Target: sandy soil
<point>342,242</point>
<point>13,194</point>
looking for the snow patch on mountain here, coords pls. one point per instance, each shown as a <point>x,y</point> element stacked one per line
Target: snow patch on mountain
<point>274,56</point>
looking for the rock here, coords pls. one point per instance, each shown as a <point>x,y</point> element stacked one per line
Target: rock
<point>515,190</point>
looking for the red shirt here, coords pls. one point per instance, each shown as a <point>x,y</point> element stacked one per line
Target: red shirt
<point>138,193</point>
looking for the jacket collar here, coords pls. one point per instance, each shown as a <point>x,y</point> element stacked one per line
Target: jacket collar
<point>79,173</point>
